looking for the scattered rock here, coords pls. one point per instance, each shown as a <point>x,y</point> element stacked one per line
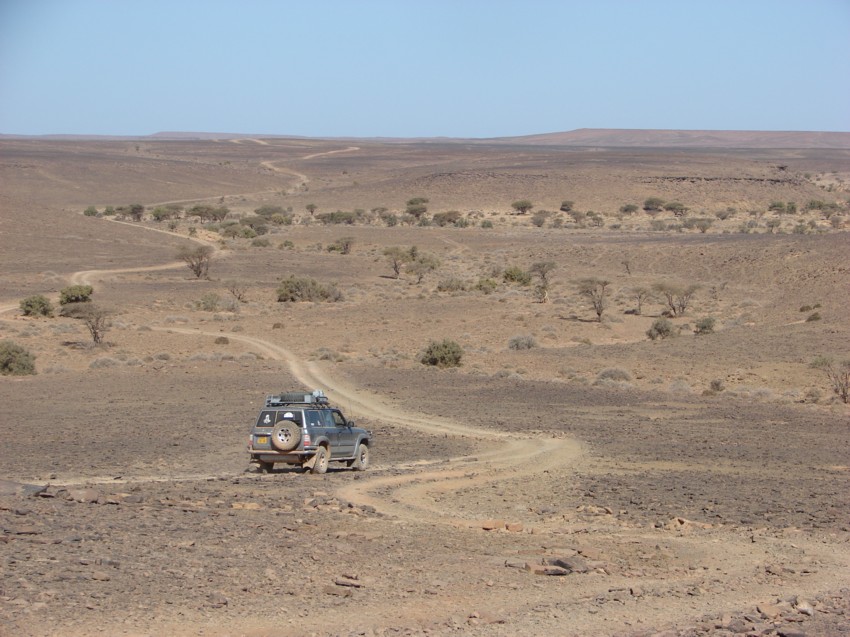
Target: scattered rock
<point>492,525</point>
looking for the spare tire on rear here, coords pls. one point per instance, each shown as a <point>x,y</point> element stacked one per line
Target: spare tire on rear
<point>286,435</point>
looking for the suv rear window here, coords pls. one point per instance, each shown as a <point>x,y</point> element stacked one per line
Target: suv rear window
<point>269,418</point>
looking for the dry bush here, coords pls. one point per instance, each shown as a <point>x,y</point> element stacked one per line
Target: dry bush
<point>446,353</point>
<point>617,374</point>
<point>522,342</point>
<point>295,289</point>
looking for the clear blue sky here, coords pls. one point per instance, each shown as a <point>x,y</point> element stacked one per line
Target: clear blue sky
<point>404,68</point>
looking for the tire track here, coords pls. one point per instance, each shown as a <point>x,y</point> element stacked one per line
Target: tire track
<point>412,496</point>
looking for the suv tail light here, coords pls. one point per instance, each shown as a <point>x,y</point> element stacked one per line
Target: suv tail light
<point>306,436</point>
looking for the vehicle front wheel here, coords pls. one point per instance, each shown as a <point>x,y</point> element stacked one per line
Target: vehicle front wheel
<point>321,462</point>
<point>361,460</point>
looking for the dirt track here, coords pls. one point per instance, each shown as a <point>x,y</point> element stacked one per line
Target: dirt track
<point>507,498</point>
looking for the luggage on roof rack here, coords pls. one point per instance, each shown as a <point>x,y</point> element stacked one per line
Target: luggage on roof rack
<point>297,398</point>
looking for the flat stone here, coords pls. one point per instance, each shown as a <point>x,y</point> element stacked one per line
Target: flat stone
<point>492,525</point>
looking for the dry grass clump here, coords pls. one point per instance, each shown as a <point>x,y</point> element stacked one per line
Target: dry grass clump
<point>522,342</point>
<point>617,374</point>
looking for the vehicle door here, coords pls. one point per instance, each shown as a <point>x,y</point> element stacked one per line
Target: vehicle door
<point>345,434</point>
<point>319,427</point>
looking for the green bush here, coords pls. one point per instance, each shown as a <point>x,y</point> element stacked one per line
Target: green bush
<point>295,289</point>
<point>814,316</point>
<point>486,224</point>
<point>37,305</point>
<point>91,211</point>
<point>15,360</point>
<point>661,328</point>
<point>75,294</point>
<point>446,353</point>
<point>261,243</point>
<point>515,274</point>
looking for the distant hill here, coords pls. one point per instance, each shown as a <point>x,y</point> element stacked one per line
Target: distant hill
<point>640,138</point>
<point>583,137</point>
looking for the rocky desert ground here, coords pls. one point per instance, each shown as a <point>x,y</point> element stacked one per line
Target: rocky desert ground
<point>571,477</point>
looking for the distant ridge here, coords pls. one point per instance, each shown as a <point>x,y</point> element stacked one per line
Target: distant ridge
<point>648,138</point>
<point>582,137</point>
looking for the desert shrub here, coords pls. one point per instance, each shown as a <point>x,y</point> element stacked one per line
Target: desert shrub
<point>342,245</point>
<point>389,218</point>
<point>338,217</point>
<point>37,305</point>
<point>486,224</point>
<point>661,328</point>
<point>705,325</point>
<point>294,289</point>
<point>75,294</point>
<point>222,340</point>
<point>486,285</point>
<point>814,316</point>
<point>269,211</point>
<point>653,204</point>
<point>617,374</point>
<point>208,302</point>
<point>566,206</point>
<point>15,360</point>
<point>452,284</point>
<point>515,274</point>
<point>91,211</point>
<point>806,308</point>
<point>717,385</point>
<point>838,375</point>
<point>327,354</point>
<point>449,218</point>
<point>522,206</point>
<point>628,209</point>
<point>522,342</point>
<point>286,244</point>
<point>445,353</point>
<point>261,243</point>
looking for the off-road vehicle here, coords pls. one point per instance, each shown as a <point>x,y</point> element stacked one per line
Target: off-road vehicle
<point>304,429</point>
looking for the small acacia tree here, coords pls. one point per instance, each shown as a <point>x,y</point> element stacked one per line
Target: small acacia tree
<point>596,291</point>
<point>197,259</point>
<point>677,297</point>
<point>398,257</point>
<point>640,295</point>
<point>522,206</point>
<point>422,265</point>
<point>838,374</point>
<point>542,269</point>
<point>94,317</point>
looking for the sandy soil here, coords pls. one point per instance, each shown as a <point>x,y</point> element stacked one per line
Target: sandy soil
<point>521,493</point>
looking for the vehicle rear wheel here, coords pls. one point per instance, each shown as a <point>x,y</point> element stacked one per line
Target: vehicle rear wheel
<point>286,435</point>
<point>321,462</point>
<point>361,460</point>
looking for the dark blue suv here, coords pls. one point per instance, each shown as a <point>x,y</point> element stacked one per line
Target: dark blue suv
<point>304,429</point>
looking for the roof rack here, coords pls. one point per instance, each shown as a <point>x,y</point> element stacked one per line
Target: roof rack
<point>297,398</point>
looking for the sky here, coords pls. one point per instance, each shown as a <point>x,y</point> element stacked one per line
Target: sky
<point>422,68</point>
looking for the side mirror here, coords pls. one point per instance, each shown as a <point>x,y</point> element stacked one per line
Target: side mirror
<point>350,423</point>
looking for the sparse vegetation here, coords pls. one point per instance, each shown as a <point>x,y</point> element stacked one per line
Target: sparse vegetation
<point>15,360</point>
<point>522,206</point>
<point>75,294</point>
<point>515,274</point>
<point>542,269</point>
<point>398,257</point>
<point>37,305</point>
<point>422,265</point>
<point>445,353</point>
<point>197,259</point>
<point>617,374</point>
<point>838,375</point>
<point>342,245</point>
<point>677,297</point>
<point>595,290</point>
<point>661,328</point>
<point>95,318</point>
<point>295,289</point>
<point>705,326</point>
<point>522,342</point>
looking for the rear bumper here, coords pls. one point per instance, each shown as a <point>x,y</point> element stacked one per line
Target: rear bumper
<point>291,457</point>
